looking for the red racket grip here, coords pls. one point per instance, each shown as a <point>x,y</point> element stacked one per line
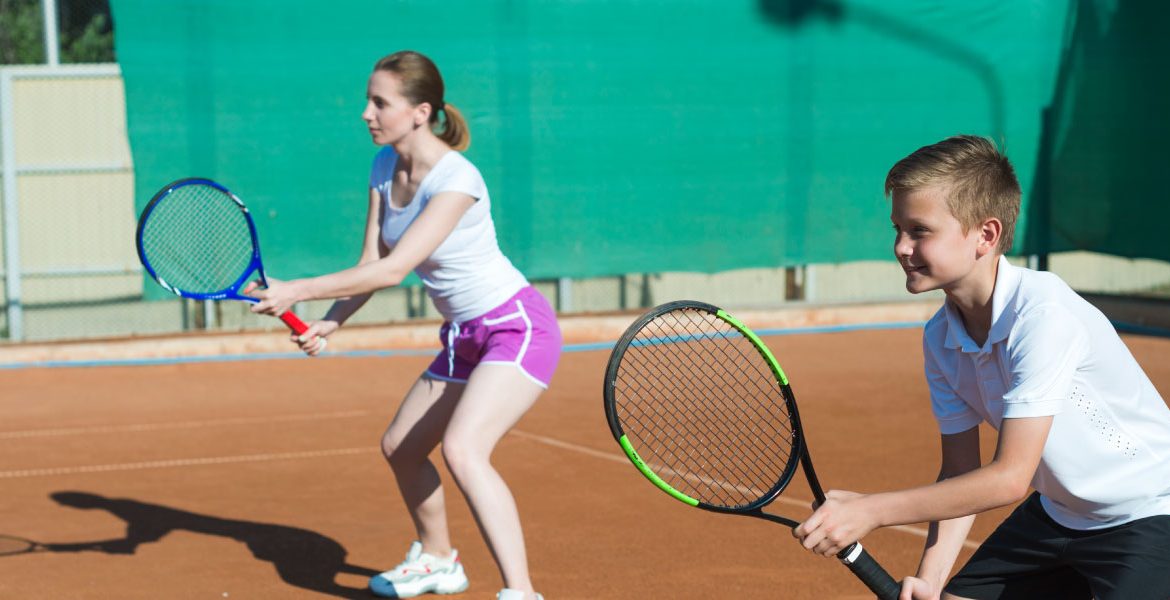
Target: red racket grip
<point>294,322</point>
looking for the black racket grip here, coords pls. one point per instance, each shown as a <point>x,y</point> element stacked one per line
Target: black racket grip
<point>870,572</point>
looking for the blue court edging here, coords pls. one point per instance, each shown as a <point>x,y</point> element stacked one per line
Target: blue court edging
<point>139,362</point>
<point>778,331</point>
<point>1121,326</point>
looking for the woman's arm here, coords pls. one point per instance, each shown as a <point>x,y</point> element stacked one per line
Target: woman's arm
<point>372,250</point>
<point>420,240</point>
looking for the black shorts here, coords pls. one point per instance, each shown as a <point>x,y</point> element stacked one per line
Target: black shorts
<point>1030,556</point>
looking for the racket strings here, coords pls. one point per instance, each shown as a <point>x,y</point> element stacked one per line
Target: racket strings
<point>197,239</point>
<point>703,473</point>
<point>720,431</point>
<point>715,433</point>
<point>703,409</point>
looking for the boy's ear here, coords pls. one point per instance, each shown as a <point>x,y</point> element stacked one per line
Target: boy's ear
<point>989,233</point>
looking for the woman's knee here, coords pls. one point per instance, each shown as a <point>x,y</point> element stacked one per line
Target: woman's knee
<point>461,456</point>
<point>400,453</point>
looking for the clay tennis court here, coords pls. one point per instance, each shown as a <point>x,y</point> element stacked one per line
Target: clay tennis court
<point>262,478</point>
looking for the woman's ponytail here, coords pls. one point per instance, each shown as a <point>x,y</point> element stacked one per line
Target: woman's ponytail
<point>453,128</point>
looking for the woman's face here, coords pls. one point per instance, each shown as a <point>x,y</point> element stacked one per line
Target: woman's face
<point>389,116</point>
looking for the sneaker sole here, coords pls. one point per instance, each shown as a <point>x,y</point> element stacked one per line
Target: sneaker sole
<point>440,585</point>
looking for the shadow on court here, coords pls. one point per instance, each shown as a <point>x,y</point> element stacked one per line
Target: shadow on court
<point>302,558</point>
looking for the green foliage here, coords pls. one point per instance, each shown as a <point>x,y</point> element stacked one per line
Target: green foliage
<point>85,35</point>
<point>93,44</point>
<point>21,41</point>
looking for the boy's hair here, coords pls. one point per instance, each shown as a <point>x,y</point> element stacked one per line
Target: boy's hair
<point>977,180</point>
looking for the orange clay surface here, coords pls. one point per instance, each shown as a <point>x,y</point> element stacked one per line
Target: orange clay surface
<point>262,479</point>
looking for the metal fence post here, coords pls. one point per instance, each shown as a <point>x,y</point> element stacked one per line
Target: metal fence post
<point>49,10</point>
<point>11,210</point>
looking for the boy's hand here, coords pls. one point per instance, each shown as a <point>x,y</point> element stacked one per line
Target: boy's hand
<point>914,588</point>
<point>841,520</point>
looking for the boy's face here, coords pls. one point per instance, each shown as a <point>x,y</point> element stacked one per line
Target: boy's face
<point>929,241</point>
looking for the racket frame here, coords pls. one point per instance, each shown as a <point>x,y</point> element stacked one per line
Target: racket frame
<point>615,426</point>
<point>859,561</point>
<point>231,292</point>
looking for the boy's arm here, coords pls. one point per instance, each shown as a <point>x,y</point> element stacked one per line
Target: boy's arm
<point>847,517</point>
<point>960,454</point>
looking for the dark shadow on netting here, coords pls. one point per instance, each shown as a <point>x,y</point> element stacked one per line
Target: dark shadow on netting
<point>1100,183</point>
<point>302,558</point>
<point>793,14</point>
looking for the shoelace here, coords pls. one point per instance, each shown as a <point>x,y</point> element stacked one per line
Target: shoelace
<point>422,564</point>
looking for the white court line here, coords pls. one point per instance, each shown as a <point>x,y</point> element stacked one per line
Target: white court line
<point>223,460</point>
<point>183,462</point>
<point>67,431</point>
<point>620,458</point>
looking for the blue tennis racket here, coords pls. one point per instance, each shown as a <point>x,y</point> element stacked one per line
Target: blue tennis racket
<point>197,240</point>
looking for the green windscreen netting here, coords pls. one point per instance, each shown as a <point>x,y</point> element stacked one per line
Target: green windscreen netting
<point>646,136</point>
<point>1100,181</point>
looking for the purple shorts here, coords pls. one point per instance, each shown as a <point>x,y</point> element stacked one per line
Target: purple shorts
<point>522,331</point>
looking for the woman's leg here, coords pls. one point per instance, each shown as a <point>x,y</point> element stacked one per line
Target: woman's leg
<point>495,398</point>
<point>412,435</point>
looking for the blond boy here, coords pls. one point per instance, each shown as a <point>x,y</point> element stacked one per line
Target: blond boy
<point>1078,420</point>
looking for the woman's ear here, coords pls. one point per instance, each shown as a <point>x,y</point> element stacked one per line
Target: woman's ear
<point>422,114</point>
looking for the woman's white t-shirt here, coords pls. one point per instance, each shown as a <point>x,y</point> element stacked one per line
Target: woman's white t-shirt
<point>467,275</point>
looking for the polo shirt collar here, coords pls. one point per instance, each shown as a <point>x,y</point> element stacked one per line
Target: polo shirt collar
<point>1007,282</point>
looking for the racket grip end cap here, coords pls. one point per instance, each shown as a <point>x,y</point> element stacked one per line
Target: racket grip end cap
<point>870,572</point>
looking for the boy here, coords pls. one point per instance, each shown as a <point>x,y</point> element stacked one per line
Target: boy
<point>1078,419</point>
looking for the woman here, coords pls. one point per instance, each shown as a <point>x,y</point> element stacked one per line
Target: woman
<point>429,212</point>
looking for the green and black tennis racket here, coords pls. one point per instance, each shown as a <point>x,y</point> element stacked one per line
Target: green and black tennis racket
<point>701,407</point>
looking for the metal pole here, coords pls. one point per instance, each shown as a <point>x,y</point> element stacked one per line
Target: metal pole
<point>50,18</point>
<point>810,283</point>
<point>208,314</point>
<point>11,210</point>
<point>564,294</point>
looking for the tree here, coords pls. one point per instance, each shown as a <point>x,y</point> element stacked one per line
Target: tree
<point>86,33</point>
<point>21,40</point>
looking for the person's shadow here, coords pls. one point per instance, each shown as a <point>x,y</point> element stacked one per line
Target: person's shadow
<point>302,558</point>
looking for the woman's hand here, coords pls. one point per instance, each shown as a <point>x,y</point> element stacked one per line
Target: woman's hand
<point>276,299</point>
<point>312,341</point>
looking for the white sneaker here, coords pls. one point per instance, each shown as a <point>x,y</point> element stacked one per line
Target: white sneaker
<point>420,574</point>
<point>511,594</point>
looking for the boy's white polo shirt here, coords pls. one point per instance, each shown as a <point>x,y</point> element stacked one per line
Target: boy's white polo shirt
<point>1050,352</point>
